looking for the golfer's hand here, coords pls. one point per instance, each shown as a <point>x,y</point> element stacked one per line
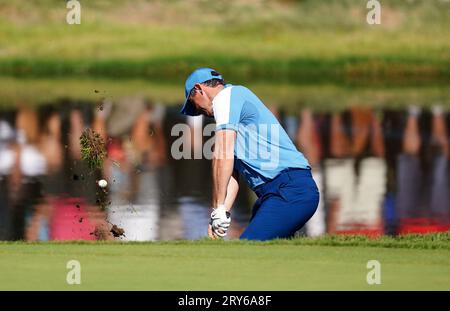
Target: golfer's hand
<point>211,234</point>
<point>220,221</point>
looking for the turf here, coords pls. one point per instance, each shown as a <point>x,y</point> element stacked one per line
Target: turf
<point>244,39</point>
<point>330,263</point>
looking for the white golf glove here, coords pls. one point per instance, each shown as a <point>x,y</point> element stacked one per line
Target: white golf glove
<point>220,221</point>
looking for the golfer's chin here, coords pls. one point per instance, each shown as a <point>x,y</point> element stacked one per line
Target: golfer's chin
<point>207,113</point>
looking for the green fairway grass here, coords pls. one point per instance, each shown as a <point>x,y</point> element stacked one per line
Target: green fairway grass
<point>244,39</point>
<point>329,263</point>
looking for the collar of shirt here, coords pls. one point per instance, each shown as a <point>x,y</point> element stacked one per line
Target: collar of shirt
<point>215,99</point>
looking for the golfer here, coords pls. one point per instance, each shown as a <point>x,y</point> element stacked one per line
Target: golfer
<point>250,142</point>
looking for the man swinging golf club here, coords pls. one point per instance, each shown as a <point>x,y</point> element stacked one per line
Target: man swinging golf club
<point>249,141</point>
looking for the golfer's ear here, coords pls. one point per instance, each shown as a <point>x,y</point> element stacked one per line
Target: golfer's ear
<point>198,87</point>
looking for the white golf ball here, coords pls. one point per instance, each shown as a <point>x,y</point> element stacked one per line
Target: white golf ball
<point>102,183</point>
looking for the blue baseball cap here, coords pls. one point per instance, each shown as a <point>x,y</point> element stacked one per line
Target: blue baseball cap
<point>199,75</point>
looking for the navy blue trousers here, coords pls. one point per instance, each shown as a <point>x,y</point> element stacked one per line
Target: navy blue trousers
<point>283,206</point>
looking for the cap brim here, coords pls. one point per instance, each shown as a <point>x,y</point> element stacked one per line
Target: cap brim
<point>189,109</point>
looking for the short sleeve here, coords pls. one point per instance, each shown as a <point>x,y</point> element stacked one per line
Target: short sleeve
<point>227,107</point>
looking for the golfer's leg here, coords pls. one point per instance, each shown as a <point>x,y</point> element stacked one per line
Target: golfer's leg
<point>281,218</point>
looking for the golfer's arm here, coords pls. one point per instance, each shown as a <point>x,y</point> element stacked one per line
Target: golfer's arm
<point>232,191</point>
<point>222,167</point>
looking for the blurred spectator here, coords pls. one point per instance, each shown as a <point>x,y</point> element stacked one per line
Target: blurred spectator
<point>356,175</point>
<point>422,200</point>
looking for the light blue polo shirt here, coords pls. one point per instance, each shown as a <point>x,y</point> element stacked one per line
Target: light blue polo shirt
<point>263,149</point>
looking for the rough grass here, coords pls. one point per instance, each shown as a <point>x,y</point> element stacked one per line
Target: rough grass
<point>419,241</point>
<point>256,39</point>
<point>329,263</point>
